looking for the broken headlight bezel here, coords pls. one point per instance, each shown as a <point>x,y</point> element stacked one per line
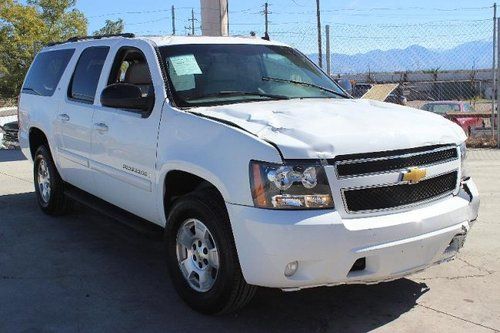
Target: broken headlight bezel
<point>292,185</point>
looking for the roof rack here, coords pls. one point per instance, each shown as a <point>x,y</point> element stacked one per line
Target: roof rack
<point>79,38</point>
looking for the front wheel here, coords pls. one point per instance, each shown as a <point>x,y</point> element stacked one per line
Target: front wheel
<point>201,255</point>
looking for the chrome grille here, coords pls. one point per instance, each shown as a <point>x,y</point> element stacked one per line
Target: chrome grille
<point>373,182</point>
<point>364,166</point>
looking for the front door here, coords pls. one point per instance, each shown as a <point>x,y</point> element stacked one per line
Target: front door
<point>124,142</point>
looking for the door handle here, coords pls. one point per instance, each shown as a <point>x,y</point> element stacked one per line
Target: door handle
<point>101,127</point>
<point>63,117</point>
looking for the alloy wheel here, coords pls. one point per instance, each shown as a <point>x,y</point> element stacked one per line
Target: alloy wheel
<point>197,255</point>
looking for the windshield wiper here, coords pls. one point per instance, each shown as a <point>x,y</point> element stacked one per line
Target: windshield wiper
<point>275,79</point>
<point>230,93</point>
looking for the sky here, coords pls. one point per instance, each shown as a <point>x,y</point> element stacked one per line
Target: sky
<point>357,26</point>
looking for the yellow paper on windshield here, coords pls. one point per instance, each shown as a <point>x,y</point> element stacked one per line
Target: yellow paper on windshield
<point>185,65</point>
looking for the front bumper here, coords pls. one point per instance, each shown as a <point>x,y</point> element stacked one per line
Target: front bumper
<point>326,245</point>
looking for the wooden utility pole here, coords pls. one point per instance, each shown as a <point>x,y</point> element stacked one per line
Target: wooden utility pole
<point>173,20</point>
<point>266,14</point>
<point>318,16</point>
<point>327,51</point>
<point>192,22</point>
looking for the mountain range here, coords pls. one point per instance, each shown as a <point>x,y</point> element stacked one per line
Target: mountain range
<point>476,54</point>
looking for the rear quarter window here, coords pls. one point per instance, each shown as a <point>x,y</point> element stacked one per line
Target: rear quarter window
<point>46,71</point>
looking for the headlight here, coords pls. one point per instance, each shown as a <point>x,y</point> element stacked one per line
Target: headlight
<point>290,186</point>
<point>463,158</point>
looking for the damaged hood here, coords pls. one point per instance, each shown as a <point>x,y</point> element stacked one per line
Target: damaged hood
<point>325,128</point>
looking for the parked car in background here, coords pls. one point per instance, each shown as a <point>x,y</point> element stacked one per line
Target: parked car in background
<point>396,99</point>
<point>10,131</point>
<point>444,107</point>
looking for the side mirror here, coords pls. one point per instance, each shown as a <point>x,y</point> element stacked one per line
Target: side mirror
<point>126,96</point>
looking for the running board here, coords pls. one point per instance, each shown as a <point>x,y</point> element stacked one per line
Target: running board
<point>135,222</point>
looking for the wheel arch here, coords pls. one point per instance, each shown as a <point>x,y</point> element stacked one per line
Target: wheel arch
<point>37,138</point>
<point>180,181</point>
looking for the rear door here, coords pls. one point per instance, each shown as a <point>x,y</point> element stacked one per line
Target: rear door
<point>75,118</point>
<point>124,142</point>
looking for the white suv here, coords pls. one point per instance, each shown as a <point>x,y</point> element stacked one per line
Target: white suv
<point>262,170</point>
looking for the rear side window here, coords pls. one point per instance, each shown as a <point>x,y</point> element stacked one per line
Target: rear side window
<point>83,85</point>
<point>46,71</point>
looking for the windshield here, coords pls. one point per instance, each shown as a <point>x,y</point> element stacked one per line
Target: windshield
<point>212,74</point>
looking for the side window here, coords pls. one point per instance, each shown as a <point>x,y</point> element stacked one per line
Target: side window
<point>46,72</point>
<point>130,66</point>
<point>83,85</point>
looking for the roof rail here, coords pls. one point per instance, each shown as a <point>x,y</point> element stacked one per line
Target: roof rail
<point>79,38</point>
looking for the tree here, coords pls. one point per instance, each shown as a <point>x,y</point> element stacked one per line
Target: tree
<point>24,29</point>
<point>111,28</point>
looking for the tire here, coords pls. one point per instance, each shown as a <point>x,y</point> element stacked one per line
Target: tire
<point>49,187</point>
<point>226,289</point>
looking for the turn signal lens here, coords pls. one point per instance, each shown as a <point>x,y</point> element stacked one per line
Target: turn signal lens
<point>258,192</point>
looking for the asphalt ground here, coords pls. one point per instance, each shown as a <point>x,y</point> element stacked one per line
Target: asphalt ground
<point>87,273</point>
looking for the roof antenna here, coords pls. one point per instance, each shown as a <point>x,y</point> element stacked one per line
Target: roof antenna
<point>266,36</point>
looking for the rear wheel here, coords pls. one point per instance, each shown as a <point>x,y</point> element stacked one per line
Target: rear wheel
<point>48,184</point>
<point>201,255</point>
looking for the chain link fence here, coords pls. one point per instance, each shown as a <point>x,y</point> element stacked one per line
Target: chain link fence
<point>444,66</point>
<point>428,55</point>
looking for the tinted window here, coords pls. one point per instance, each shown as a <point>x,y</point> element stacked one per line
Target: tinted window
<point>46,71</point>
<point>205,74</point>
<point>87,73</point>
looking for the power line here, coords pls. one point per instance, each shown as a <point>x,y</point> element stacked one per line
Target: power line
<point>388,9</point>
<point>445,23</point>
<point>242,11</point>
<point>151,21</point>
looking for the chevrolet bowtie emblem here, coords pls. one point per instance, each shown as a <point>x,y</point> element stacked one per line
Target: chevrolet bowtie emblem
<point>414,175</point>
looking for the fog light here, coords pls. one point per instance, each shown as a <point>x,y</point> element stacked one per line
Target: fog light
<point>291,268</point>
